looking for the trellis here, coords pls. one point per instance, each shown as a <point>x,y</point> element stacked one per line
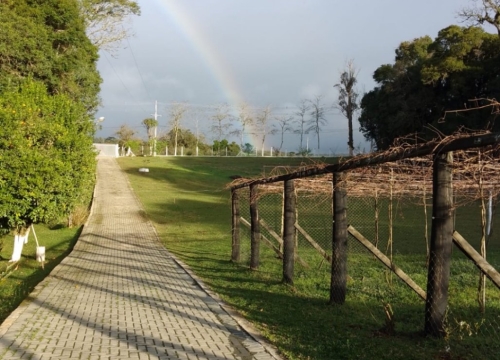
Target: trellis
<point>430,168</point>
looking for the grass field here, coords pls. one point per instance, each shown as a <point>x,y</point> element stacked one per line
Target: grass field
<point>186,199</point>
<point>17,281</point>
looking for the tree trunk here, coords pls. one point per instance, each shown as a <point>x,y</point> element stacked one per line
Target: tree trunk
<point>235,253</point>
<point>255,229</point>
<point>20,239</point>
<point>350,142</point>
<point>440,248</point>
<point>338,285</point>
<point>289,233</point>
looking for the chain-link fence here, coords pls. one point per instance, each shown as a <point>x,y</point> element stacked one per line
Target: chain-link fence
<point>390,260</point>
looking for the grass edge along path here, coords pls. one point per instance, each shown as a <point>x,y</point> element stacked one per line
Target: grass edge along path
<point>22,278</point>
<point>186,201</point>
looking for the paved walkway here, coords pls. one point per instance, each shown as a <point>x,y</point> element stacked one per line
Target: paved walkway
<point>121,295</point>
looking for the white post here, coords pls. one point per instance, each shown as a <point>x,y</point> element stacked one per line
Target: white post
<point>182,150</point>
<point>489,214</point>
<point>271,151</point>
<point>19,241</point>
<point>156,127</point>
<point>196,150</point>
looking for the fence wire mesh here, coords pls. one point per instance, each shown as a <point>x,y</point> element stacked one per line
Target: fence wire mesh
<point>399,226</point>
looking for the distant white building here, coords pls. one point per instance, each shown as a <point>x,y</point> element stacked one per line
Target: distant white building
<point>110,150</point>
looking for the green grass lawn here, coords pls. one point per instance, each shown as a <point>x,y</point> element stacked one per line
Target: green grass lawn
<point>18,280</point>
<point>186,199</point>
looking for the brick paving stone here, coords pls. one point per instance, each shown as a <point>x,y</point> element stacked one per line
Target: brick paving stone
<point>121,295</point>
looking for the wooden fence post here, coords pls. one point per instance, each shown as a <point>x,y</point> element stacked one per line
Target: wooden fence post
<point>289,232</point>
<point>438,273</point>
<point>235,247</point>
<point>254,229</point>
<point>338,285</point>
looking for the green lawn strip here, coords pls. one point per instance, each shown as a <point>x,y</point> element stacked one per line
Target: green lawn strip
<point>20,279</point>
<point>186,199</point>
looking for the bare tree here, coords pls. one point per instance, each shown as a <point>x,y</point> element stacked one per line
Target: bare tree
<point>246,119</point>
<point>263,127</point>
<point>347,101</point>
<point>318,118</point>
<point>302,120</point>
<point>150,124</point>
<point>482,11</point>
<point>284,125</point>
<point>104,20</point>
<point>222,121</point>
<point>125,135</point>
<point>176,114</point>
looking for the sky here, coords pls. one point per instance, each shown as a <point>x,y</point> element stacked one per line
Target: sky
<point>263,52</point>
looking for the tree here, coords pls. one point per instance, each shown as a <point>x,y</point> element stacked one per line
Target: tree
<point>263,127</point>
<point>302,120</point>
<point>186,139</point>
<point>176,114</point>
<point>284,126</point>
<point>483,11</point>
<point>46,40</point>
<point>222,121</point>
<point>347,101</point>
<point>47,157</point>
<point>246,119</point>
<point>125,135</point>
<point>49,88</point>
<point>430,78</point>
<point>317,119</point>
<point>104,20</point>
<point>248,148</point>
<point>150,124</point>
<point>233,149</point>
<point>219,146</point>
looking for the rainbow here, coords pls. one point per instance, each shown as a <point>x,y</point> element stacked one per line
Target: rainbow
<point>201,44</point>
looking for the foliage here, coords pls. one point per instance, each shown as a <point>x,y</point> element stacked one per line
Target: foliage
<point>223,147</point>
<point>233,149</point>
<point>126,136</point>
<point>186,139</point>
<point>47,159</point>
<point>248,148</point>
<point>430,77</point>
<point>150,124</point>
<point>304,151</point>
<point>219,146</point>
<point>46,40</point>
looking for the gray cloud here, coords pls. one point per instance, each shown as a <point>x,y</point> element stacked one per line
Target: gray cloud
<point>276,52</point>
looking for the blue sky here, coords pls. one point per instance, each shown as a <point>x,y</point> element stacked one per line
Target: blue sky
<point>207,52</point>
